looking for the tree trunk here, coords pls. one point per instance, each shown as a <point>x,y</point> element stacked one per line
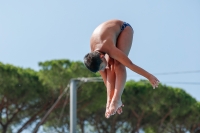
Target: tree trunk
<point>82,125</point>
<point>4,128</point>
<point>31,119</point>
<point>163,119</point>
<point>139,119</point>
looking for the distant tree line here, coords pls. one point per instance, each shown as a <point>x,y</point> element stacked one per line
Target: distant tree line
<point>26,96</point>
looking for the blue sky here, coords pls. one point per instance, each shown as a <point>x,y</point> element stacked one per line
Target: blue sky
<point>166,39</point>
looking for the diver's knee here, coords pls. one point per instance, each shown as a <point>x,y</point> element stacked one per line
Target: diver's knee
<point>118,65</point>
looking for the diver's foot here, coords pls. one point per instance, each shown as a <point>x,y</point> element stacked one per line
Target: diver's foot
<point>114,106</point>
<point>107,111</point>
<point>119,110</point>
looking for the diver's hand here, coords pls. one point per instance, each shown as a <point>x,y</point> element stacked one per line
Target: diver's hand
<point>154,81</point>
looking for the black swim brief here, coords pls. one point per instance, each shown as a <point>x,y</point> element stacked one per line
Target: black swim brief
<point>124,25</point>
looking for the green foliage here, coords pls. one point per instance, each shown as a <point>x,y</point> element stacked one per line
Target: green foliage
<point>21,94</point>
<point>26,96</point>
<point>149,130</point>
<point>56,75</point>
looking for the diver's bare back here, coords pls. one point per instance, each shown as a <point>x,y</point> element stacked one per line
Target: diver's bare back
<point>104,35</point>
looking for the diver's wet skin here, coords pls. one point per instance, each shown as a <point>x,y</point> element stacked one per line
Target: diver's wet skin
<point>107,111</point>
<point>115,106</point>
<point>110,45</point>
<point>119,110</point>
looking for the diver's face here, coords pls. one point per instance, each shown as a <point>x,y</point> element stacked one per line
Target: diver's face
<point>103,63</point>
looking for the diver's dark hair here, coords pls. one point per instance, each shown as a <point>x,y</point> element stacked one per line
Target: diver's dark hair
<point>92,61</point>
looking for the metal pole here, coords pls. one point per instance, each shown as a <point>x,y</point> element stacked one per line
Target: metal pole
<point>73,105</point>
<point>73,99</point>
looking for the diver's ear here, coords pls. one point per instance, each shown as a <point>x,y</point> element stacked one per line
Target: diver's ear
<point>101,55</point>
